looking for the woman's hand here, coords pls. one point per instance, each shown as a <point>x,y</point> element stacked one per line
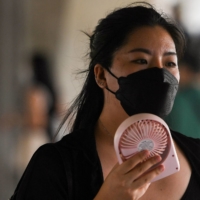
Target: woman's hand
<point>128,181</point>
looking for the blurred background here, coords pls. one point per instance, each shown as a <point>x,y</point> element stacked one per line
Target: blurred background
<point>41,49</point>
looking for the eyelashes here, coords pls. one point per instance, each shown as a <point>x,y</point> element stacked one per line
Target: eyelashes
<point>140,61</point>
<point>170,64</point>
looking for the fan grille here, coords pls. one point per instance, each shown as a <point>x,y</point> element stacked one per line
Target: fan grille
<point>145,135</point>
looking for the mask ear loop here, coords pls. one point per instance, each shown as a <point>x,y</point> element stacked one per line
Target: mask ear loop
<point>110,90</point>
<point>114,77</point>
<point>111,73</point>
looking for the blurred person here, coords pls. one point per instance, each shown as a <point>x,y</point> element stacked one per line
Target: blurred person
<point>42,77</point>
<point>185,115</point>
<point>34,127</point>
<point>39,111</point>
<point>140,46</point>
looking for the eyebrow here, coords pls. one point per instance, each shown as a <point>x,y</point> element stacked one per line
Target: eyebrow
<point>169,53</point>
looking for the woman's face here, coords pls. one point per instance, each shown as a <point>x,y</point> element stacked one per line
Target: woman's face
<point>145,48</point>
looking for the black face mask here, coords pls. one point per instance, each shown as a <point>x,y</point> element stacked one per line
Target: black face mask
<point>151,90</point>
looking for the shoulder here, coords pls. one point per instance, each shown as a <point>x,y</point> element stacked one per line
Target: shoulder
<point>45,154</point>
<point>189,145</point>
<point>45,162</point>
<point>191,148</point>
<point>51,153</point>
<point>185,139</point>
<point>82,139</point>
<point>44,177</point>
<point>78,144</point>
<point>48,172</point>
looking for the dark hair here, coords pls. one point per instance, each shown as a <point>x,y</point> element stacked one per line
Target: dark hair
<point>109,35</point>
<point>42,76</point>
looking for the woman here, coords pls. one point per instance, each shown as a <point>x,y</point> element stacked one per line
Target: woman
<point>131,42</point>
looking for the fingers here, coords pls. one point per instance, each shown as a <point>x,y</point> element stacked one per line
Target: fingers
<point>147,177</point>
<point>142,168</point>
<point>134,160</point>
<point>132,178</point>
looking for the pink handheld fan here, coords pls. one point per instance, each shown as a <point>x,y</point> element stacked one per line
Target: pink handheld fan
<point>147,132</point>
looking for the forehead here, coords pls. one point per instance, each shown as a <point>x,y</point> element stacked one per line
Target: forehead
<point>150,37</point>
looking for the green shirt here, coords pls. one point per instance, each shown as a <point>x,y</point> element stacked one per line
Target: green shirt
<point>185,115</point>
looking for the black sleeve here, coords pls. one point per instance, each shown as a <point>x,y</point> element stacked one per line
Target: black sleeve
<point>44,177</point>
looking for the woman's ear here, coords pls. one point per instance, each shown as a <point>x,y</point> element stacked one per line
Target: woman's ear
<point>99,73</point>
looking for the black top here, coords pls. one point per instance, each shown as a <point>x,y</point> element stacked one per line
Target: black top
<point>71,169</point>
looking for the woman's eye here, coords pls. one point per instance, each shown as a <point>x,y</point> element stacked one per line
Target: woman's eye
<point>140,61</point>
<point>171,64</point>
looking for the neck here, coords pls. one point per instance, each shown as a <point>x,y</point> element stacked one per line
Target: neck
<point>112,115</point>
<point>104,133</point>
